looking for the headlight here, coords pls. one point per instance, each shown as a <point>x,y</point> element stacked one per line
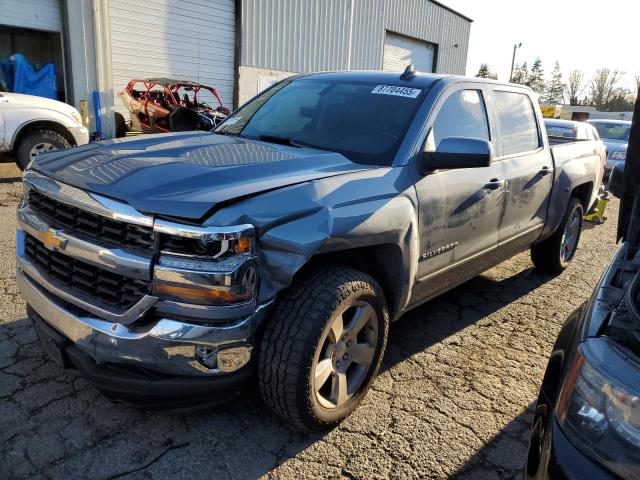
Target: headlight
<point>618,155</point>
<point>601,417</point>
<point>76,116</point>
<point>206,265</point>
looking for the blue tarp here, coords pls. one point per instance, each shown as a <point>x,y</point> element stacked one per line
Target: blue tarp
<point>21,77</point>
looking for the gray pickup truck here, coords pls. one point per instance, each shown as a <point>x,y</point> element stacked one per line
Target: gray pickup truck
<point>173,269</point>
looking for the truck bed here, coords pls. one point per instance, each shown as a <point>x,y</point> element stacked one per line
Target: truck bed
<point>577,162</point>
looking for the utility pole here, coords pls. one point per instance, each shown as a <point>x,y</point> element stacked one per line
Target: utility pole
<point>513,60</point>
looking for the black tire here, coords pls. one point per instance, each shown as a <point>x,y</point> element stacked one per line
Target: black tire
<point>548,255</point>
<point>121,125</point>
<point>34,138</point>
<point>293,336</point>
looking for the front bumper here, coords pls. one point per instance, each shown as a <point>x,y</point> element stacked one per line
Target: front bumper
<point>610,164</point>
<point>165,346</point>
<point>80,134</point>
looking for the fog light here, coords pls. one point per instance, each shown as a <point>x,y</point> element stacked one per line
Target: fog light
<point>231,359</point>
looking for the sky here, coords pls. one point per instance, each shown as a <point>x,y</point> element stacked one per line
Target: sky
<point>580,34</point>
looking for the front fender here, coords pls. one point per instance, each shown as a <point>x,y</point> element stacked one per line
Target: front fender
<point>16,120</point>
<point>360,209</point>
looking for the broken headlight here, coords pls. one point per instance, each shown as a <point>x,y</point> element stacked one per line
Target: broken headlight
<point>206,265</point>
<point>601,417</point>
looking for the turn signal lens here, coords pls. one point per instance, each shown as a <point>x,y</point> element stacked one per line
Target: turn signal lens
<point>76,116</point>
<point>243,245</point>
<point>198,295</point>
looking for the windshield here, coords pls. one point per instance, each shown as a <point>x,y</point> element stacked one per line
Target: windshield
<point>364,121</point>
<point>613,131</point>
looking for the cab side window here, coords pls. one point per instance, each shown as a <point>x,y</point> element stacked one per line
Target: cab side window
<point>518,122</point>
<point>463,114</point>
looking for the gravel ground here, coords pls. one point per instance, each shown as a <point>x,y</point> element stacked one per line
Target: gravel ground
<point>454,397</point>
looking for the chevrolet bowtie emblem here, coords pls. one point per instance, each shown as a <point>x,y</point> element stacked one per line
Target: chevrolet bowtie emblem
<point>52,241</point>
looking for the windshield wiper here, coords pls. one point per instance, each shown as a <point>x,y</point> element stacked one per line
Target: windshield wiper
<point>282,140</point>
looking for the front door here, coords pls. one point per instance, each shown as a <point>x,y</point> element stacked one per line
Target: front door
<point>459,209</point>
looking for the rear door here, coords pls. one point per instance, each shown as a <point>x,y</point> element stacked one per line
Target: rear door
<point>527,165</point>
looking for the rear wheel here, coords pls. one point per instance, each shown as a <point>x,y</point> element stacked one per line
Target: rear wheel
<point>556,252</point>
<point>323,347</point>
<point>37,142</point>
<point>121,125</point>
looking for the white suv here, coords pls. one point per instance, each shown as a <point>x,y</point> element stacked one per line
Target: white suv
<point>31,125</point>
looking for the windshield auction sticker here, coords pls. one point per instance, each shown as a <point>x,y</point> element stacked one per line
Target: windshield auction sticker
<point>397,91</point>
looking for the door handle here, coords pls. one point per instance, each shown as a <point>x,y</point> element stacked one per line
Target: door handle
<point>544,171</point>
<point>494,184</point>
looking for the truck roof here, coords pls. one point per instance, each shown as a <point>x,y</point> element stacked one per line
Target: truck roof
<point>420,80</point>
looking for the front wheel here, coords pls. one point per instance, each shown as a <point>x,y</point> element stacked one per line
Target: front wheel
<point>556,252</point>
<point>322,347</point>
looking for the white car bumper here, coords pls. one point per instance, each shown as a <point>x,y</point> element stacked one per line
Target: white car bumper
<point>80,134</point>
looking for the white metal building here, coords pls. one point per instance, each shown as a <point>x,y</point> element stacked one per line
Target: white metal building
<point>238,46</point>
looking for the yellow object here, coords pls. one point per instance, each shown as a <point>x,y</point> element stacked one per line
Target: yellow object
<point>84,112</point>
<point>598,215</point>
<point>550,111</point>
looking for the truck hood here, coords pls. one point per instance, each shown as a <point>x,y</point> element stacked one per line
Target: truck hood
<point>22,101</point>
<point>187,174</point>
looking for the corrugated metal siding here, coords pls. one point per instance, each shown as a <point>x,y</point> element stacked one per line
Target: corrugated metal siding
<point>313,35</point>
<point>184,39</point>
<point>38,14</point>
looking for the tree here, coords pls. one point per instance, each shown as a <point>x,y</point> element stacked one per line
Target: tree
<point>622,101</point>
<point>554,89</point>
<point>604,87</point>
<point>575,87</point>
<point>521,74</point>
<point>536,77</point>
<point>485,72</point>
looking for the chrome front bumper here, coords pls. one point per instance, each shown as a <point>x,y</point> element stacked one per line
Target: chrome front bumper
<point>163,336</point>
<point>165,345</point>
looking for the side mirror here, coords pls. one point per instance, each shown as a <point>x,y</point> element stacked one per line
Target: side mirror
<point>457,152</point>
<point>616,180</point>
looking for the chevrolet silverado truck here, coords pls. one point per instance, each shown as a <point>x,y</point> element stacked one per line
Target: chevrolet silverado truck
<point>172,269</point>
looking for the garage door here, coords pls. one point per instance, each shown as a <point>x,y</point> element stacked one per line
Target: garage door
<point>37,14</point>
<point>400,51</point>
<point>187,40</point>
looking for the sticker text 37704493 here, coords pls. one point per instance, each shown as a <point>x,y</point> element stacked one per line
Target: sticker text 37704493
<point>397,91</point>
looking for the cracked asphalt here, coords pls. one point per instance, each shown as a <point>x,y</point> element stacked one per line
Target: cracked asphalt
<point>453,400</point>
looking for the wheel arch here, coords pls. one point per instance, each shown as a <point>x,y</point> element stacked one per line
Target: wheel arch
<point>383,262</point>
<point>30,126</point>
<point>583,193</point>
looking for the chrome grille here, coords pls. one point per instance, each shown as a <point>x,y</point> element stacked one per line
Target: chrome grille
<point>110,289</point>
<point>90,226</point>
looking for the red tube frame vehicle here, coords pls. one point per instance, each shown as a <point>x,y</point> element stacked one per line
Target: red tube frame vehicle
<point>159,105</point>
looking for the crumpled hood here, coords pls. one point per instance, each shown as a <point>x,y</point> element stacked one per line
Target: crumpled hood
<point>187,174</point>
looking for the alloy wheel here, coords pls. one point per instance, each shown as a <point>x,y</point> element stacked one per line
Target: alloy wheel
<point>570,236</point>
<point>40,148</point>
<point>345,355</point>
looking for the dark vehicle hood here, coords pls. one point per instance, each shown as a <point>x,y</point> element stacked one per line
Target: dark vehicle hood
<point>187,174</point>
